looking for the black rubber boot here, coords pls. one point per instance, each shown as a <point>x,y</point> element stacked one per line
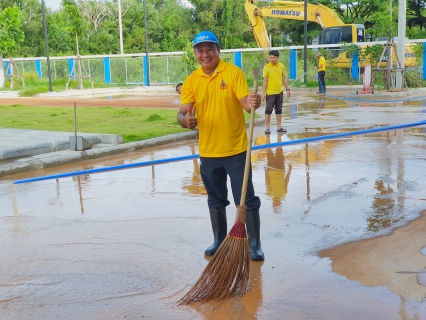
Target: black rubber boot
<point>253,234</point>
<point>220,229</point>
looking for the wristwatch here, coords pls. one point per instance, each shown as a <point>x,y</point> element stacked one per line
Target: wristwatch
<point>287,89</point>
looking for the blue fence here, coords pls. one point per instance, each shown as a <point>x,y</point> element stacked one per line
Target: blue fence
<point>168,68</point>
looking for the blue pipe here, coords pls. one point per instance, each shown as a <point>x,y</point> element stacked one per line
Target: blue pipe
<point>375,100</point>
<point>195,156</point>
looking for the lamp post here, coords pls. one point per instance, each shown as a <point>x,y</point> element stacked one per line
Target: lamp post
<point>146,42</point>
<point>402,18</point>
<point>120,25</point>
<point>305,42</point>
<point>47,46</point>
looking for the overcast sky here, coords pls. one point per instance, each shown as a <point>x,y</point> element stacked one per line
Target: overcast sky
<point>55,4</point>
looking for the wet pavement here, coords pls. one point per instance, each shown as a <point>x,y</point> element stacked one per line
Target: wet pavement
<point>343,225</point>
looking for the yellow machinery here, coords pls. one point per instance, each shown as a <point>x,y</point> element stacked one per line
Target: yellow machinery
<point>334,30</point>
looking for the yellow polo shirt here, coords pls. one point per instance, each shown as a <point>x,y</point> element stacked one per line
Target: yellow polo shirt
<point>220,115</point>
<point>274,73</point>
<point>321,61</point>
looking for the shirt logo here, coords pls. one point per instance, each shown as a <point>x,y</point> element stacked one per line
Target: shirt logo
<point>223,85</point>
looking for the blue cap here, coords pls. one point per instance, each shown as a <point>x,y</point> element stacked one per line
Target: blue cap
<point>205,36</point>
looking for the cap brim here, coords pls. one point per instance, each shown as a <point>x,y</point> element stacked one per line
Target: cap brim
<point>204,41</point>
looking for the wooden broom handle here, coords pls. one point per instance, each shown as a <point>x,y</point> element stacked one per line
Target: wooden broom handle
<point>248,155</point>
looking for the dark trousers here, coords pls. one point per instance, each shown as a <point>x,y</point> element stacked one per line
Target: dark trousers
<point>274,101</point>
<point>214,172</point>
<point>321,81</point>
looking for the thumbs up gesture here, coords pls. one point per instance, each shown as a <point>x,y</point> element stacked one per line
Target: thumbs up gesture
<point>191,121</point>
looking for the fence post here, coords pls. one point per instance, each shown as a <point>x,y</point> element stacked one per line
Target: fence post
<point>71,68</point>
<point>424,60</point>
<point>238,59</point>
<point>355,62</point>
<point>8,70</point>
<point>145,71</point>
<point>293,64</point>
<point>107,70</point>
<point>38,68</point>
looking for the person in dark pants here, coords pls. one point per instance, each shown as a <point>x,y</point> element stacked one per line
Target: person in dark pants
<point>321,73</point>
<point>274,81</point>
<point>220,93</point>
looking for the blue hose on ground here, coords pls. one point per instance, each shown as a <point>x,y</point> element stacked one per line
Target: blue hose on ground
<point>195,156</point>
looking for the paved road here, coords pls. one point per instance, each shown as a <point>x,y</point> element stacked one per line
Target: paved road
<point>342,226</point>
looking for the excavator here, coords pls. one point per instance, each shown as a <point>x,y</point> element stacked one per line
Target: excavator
<point>335,31</point>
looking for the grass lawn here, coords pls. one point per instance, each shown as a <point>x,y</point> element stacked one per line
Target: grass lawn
<point>132,124</point>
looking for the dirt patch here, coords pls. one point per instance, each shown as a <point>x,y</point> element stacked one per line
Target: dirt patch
<point>164,102</point>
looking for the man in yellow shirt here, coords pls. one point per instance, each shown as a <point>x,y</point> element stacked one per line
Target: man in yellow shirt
<point>274,80</point>
<point>219,92</point>
<point>321,73</point>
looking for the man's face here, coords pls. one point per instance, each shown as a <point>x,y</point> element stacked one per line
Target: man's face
<point>207,55</point>
<point>273,59</point>
<point>179,89</point>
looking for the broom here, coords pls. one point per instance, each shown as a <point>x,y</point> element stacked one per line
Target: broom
<point>227,273</point>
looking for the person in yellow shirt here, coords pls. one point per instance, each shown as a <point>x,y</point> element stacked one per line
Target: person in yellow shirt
<point>321,73</point>
<point>274,80</point>
<point>220,93</point>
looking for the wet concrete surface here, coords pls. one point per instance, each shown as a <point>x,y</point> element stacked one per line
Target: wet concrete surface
<point>342,227</point>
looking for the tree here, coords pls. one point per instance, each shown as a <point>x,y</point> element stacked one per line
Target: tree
<point>10,30</point>
<point>75,27</point>
<point>11,3</point>
<point>176,27</point>
<point>227,19</point>
<point>32,28</point>
<point>10,34</point>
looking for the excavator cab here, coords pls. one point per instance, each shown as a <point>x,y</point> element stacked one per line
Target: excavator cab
<point>348,33</point>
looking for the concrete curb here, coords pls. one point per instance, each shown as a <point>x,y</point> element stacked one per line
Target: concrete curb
<point>47,147</point>
<point>51,159</point>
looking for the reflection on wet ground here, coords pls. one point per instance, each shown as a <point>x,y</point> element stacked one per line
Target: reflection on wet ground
<point>342,225</point>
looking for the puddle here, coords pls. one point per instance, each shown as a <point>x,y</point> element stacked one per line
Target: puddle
<point>393,261</point>
<point>342,226</point>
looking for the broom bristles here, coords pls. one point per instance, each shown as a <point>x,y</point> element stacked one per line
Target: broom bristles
<point>227,274</point>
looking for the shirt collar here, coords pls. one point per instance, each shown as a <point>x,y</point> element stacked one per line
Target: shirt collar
<point>220,67</point>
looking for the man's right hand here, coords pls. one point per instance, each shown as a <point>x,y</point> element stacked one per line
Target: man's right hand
<point>191,121</point>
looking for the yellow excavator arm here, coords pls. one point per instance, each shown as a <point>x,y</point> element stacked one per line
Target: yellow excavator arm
<point>317,13</point>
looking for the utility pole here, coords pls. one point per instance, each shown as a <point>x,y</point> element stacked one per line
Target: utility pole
<point>120,25</point>
<point>402,17</point>
<point>47,45</point>
<point>146,42</point>
<point>305,42</point>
